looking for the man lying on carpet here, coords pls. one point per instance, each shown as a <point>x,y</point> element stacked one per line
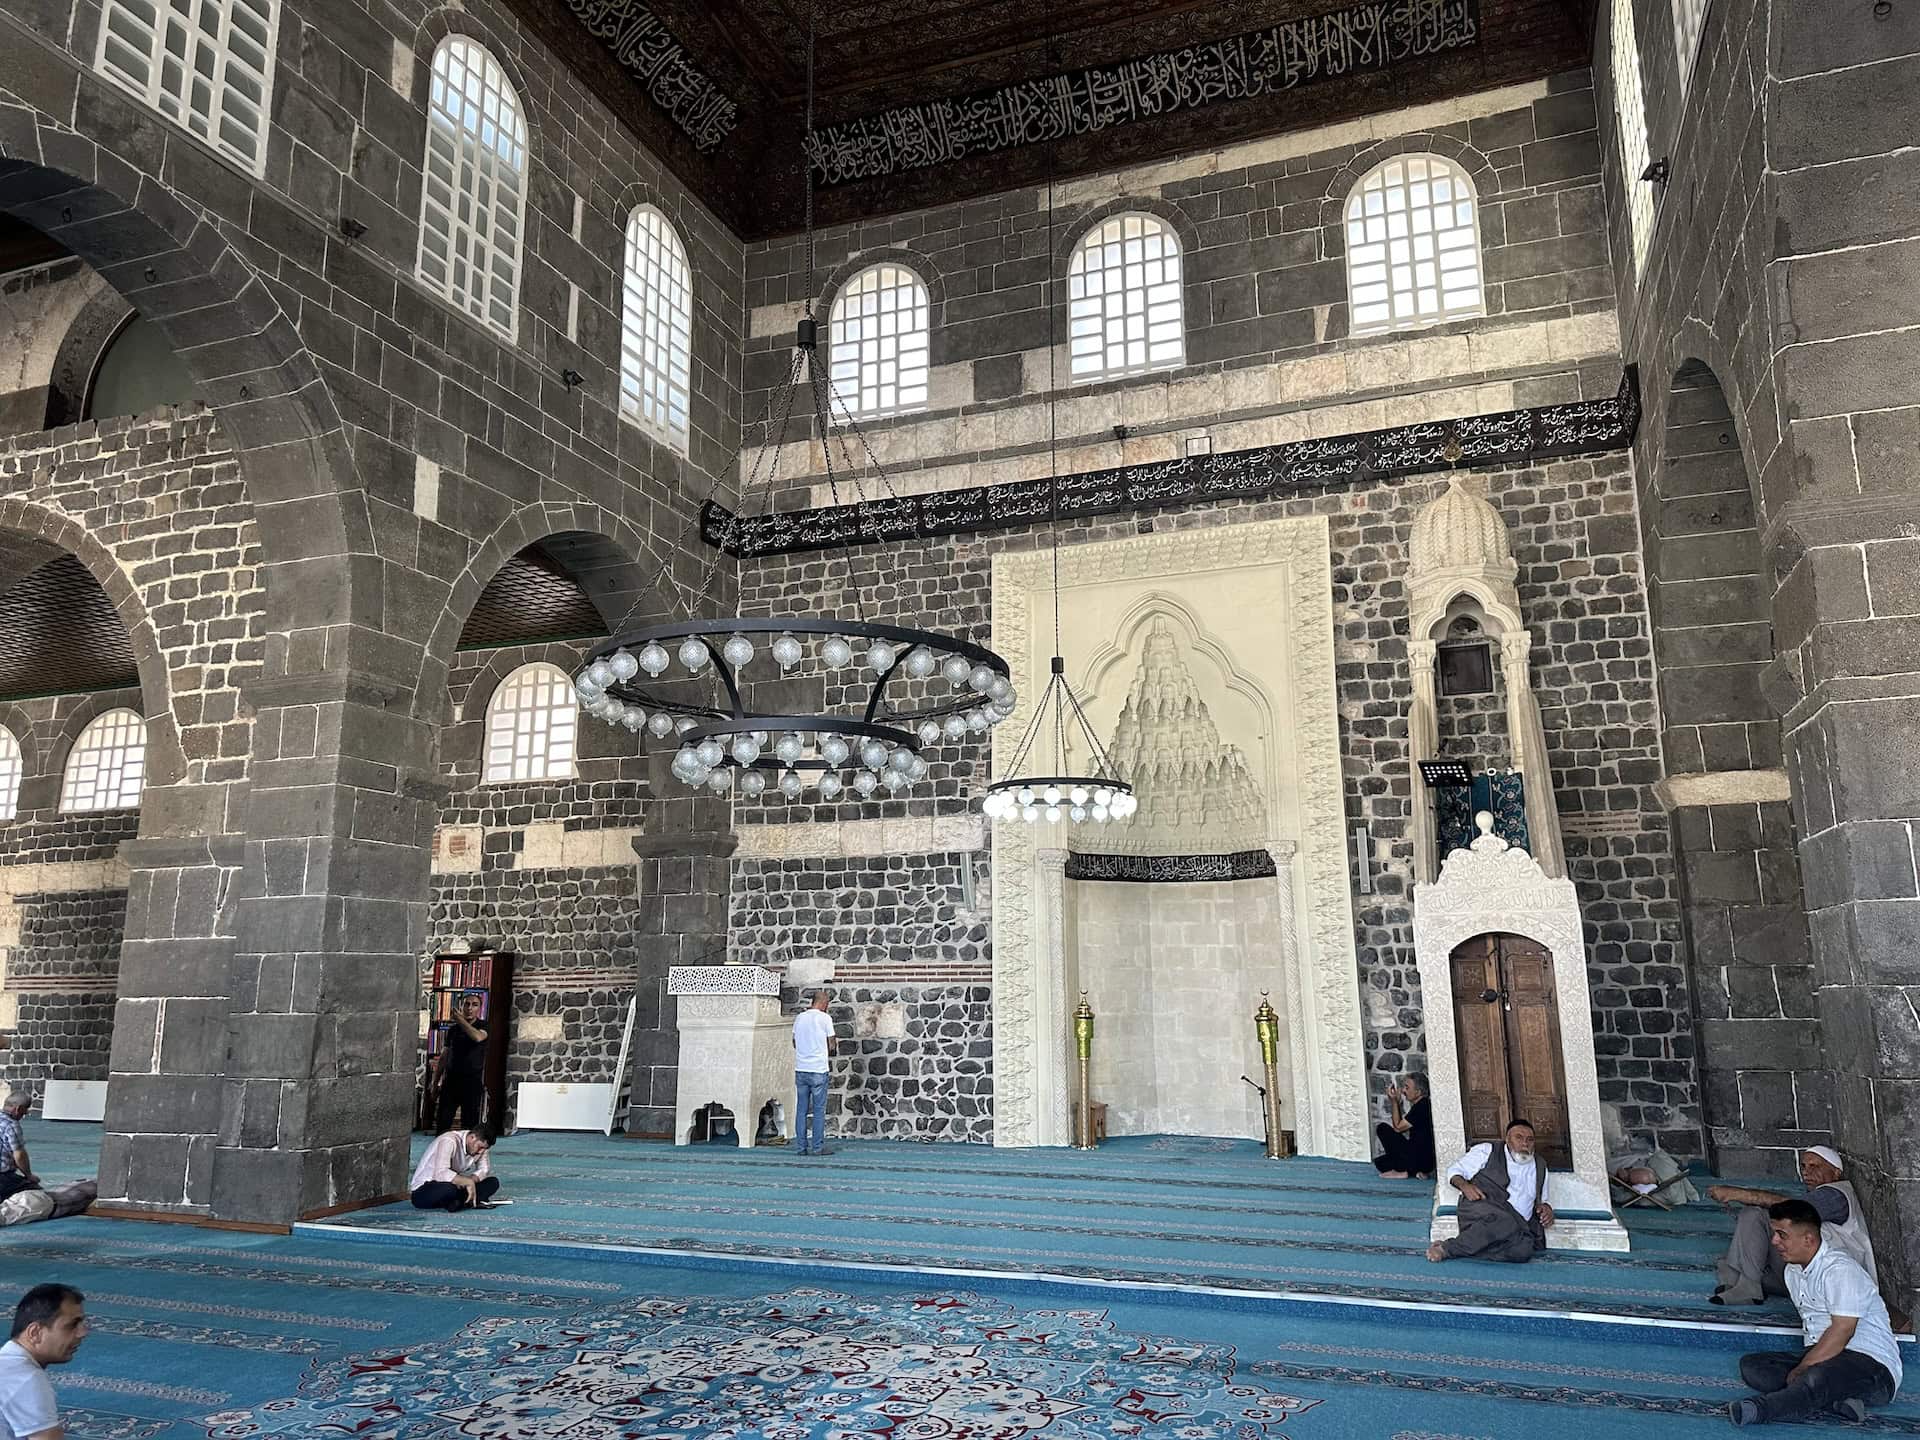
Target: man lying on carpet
<point>1752,1268</point>
<point>1406,1135</point>
<point>1502,1214</point>
<point>1851,1361</point>
<point>455,1173</point>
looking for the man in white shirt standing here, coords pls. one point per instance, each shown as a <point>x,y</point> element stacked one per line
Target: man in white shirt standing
<point>455,1173</point>
<point>813,1042</point>
<point>1851,1361</point>
<point>1503,1211</point>
<point>48,1325</point>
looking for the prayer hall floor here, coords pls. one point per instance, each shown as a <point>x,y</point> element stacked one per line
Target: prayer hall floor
<point>383,1331</point>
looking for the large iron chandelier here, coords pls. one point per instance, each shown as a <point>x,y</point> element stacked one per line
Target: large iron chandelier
<point>899,687</point>
<point>1100,794</point>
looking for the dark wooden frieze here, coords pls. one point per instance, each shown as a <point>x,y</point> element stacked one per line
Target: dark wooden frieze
<point>1369,35</point>
<point>649,53</point>
<point>1510,438</point>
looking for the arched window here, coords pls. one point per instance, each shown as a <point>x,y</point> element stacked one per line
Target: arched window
<point>656,326</point>
<point>1413,245</point>
<point>473,199</point>
<point>108,764</point>
<point>878,338</point>
<point>10,768</point>
<point>137,372</point>
<point>1123,299</point>
<point>531,722</point>
<point>1689,19</point>
<point>205,64</point>
<point>1630,114</point>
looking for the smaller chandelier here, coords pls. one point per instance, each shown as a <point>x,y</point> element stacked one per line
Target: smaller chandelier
<point>872,743</point>
<point>1099,795</point>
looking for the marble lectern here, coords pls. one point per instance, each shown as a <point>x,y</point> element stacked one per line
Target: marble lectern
<point>736,1047</point>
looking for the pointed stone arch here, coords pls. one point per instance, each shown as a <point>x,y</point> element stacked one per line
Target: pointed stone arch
<point>171,263</point>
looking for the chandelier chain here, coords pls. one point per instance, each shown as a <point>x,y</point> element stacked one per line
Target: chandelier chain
<point>768,455</point>
<point>806,159</point>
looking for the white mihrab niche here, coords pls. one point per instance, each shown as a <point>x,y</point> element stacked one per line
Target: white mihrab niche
<point>736,1048</point>
<point>1239,623</point>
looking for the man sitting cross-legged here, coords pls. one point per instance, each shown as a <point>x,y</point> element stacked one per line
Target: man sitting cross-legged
<point>454,1174</point>
<point>1502,1213</point>
<point>1406,1136</point>
<point>1851,1361</point>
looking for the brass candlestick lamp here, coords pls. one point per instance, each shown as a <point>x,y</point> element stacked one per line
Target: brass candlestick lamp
<point>1083,1048</point>
<point>1266,1025</point>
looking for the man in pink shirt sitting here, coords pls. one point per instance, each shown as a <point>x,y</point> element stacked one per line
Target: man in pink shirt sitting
<point>454,1173</point>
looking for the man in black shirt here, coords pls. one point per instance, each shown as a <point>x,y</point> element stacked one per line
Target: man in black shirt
<point>1406,1140</point>
<point>463,1084</point>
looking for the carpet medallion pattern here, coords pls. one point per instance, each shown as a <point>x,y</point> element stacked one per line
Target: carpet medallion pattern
<point>806,1364</point>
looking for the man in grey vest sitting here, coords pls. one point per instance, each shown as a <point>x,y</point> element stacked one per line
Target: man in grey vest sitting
<point>1503,1211</point>
<point>1752,1268</point>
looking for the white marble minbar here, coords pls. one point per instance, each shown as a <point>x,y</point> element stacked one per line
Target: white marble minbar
<point>735,1045</point>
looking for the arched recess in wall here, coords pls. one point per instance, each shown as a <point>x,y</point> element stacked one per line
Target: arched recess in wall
<point>71,623</point>
<point>1710,598</point>
<point>546,596</point>
<point>601,556</point>
<point>534,611</point>
<point>246,359</point>
<point>138,371</point>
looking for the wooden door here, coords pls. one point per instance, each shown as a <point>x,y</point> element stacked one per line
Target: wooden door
<point>1507,1026</point>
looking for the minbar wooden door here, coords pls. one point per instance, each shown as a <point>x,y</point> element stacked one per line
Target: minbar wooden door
<point>1507,1028</point>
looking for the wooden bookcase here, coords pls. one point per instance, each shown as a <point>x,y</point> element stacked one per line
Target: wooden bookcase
<point>491,973</point>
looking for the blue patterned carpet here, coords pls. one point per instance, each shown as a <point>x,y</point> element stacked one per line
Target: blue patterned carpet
<point>1197,1212</point>
<point>204,1333</point>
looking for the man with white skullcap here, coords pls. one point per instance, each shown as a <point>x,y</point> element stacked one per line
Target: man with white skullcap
<point>1753,1268</point>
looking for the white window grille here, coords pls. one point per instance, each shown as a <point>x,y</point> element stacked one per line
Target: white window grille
<point>878,338</point>
<point>10,768</point>
<point>1413,245</point>
<point>473,199</point>
<point>108,764</point>
<point>531,723</point>
<point>1630,113</point>
<point>656,326</point>
<point>1689,20</point>
<point>1123,299</point>
<point>204,64</point>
